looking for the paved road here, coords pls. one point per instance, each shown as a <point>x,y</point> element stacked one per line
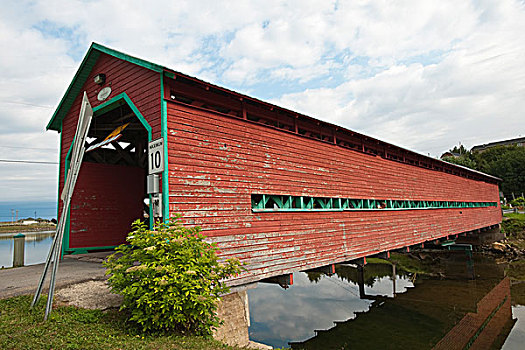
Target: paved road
<point>24,280</point>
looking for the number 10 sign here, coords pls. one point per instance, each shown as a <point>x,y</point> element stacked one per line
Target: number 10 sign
<point>156,156</point>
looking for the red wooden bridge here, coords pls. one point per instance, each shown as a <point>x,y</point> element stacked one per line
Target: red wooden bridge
<point>279,190</point>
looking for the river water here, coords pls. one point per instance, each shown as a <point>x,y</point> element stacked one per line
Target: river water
<point>460,302</point>
<point>37,246</point>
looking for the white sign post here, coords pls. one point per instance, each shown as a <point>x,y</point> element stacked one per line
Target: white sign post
<point>55,252</point>
<point>156,156</point>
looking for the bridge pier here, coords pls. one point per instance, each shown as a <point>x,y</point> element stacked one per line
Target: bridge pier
<point>234,311</point>
<point>482,236</point>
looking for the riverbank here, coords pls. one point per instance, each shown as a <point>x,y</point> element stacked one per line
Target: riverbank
<point>21,228</point>
<point>513,246</point>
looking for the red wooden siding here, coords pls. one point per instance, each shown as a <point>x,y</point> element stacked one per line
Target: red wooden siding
<point>107,199</point>
<point>143,88</point>
<point>217,162</point>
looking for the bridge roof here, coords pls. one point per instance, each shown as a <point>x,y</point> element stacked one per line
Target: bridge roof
<point>95,50</point>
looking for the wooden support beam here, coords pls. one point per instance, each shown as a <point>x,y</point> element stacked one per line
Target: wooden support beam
<point>95,156</point>
<point>127,157</point>
<point>119,121</point>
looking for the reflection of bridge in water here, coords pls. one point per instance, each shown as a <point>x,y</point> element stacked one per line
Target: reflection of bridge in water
<point>454,313</point>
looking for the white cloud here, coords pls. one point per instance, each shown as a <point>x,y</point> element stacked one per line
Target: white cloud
<point>473,94</point>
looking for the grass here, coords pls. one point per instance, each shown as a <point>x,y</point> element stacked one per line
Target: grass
<point>74,328</point>
<point>514,229</point>
<point>517,216</point>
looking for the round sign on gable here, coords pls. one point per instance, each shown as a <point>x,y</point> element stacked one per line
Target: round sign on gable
<point>104,93</point>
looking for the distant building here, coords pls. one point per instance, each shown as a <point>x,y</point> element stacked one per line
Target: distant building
<point>520,142</point>
<point>450,154</point>
<point>29,222</point>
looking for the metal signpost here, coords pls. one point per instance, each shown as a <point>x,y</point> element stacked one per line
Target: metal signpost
<point>155,166</point>
<point>53,257</point>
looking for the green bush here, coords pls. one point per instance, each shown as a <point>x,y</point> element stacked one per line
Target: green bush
<point>170,278</point>
<point>518,202</point>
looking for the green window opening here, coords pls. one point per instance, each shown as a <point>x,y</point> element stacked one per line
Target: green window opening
<point>270,202</point>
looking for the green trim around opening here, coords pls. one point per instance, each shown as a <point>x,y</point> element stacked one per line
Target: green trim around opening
<point>84,250</point>
<point>59,168</point>
<point>164,134</point>
<point>115,102</point>
<point>267,202</point>
<point>65,241</point>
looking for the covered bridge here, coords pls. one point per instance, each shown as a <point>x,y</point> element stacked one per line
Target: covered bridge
<point>279,190</point>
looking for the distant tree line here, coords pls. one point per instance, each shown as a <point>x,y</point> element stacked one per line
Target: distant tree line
<point>505,162</point>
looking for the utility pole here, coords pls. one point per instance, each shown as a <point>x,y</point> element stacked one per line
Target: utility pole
<point>17,215</point>
<point>35,214</point>
<point>12,216</point>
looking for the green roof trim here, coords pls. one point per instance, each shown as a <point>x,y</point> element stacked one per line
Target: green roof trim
<point>73,89</point>
<point>83,72</point>
<point>128,58</point>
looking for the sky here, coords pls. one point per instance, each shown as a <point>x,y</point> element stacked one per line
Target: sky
<point>424,75</point>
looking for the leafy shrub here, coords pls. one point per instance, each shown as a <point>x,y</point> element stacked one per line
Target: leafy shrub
<point>170,278</point>
<point>518,202</point>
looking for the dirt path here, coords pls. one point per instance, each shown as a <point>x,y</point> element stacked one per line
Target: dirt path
<point>24,280</point>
